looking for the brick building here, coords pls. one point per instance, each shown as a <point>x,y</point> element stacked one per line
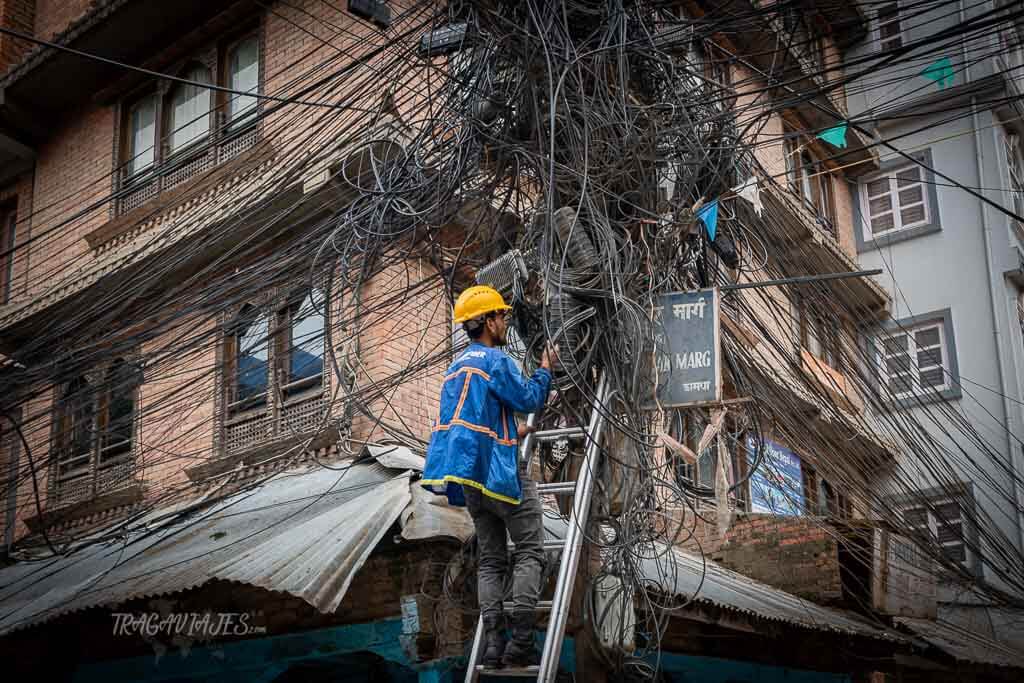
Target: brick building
<point>161,261</point>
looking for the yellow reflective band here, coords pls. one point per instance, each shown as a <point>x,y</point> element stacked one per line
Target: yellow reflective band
<point>450,478</point>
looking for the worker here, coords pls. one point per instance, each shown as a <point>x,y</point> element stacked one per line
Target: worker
<point>473,459</point>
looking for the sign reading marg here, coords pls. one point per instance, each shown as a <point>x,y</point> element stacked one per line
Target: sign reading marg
<point>687,358</point>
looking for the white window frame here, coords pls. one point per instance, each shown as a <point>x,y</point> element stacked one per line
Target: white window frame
<point>896,19</point>
<point>1015,174</point>
<point>934,525</point>
<point>894,196</point>
<point>912,354</point>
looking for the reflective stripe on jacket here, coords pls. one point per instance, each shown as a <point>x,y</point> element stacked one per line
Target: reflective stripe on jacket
<point>474,442</point>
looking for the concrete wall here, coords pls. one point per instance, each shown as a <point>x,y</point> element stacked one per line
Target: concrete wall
<point>960,266</point>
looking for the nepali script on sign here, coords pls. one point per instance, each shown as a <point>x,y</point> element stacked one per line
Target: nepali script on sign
<point>687,356</point>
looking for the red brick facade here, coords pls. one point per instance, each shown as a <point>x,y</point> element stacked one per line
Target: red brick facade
<point>54,16</point>
<point>18,15</point>
<point>799,555</point>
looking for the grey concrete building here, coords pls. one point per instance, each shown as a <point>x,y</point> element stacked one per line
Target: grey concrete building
<point>953,352</point>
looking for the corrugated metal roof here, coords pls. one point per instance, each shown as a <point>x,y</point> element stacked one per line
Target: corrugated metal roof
<point>294,534</point>
<point>963,644</point>
<point>307,532</point>
<point>685,575</point>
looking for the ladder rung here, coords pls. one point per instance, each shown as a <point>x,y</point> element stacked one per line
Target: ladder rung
<point>557,487</point>
<point>542,606</point>
<point>555,434</point>
<point>549,544</point>
<point>522,672</point>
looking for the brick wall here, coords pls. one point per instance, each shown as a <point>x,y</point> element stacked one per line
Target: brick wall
<point>73,171</point>
<point>402,330</point>
<point>795,554</point>
<point>20,16</point>
<point>54,16</point>
<point>176,404</point>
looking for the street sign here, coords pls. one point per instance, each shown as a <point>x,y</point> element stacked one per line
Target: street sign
<point>687,355</point>
<point>777,485</point>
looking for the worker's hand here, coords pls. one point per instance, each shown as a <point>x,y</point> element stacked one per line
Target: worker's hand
<point>549,357</point>
<point>523,430</point>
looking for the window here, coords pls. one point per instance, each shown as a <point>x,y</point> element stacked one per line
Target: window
<point>939,521</point>
<point>75,429</point>
<point>913,362</point>
<point>687,427</point>
<point>890,32</point>
<point>301,355</point>
<point>820,336</point>
<point>117,411</point>
<point>175,131</point>
<point>8,231</point>
<point>95,432</point>
<point>822,498</point>
<point>1015,173</point>
<point>895,201</point>
<point>243,75</point>
<point>248,360</point>
<point>189,110</point>
<point>141,150</point>
<point>273,381</point>
<point>810,179</point>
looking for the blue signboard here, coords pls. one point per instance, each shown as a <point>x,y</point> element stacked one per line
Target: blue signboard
<point>777,485</point>
<point>687,358</point>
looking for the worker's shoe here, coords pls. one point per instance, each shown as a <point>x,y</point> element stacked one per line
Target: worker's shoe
<point>494,642</point>
<point>522,649</point>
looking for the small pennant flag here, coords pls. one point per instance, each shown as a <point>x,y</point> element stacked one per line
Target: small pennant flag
<point>708,214</point>
<point>940,71</point>
<point>750,191</point>
<point>834,136</point>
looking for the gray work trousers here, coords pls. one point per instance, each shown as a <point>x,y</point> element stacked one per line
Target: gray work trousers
<point>525,525</point>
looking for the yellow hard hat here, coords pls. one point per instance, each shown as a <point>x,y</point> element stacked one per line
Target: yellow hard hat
<point>478,300</point>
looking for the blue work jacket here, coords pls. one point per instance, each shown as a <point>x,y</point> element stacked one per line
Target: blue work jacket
<point>474,441</point>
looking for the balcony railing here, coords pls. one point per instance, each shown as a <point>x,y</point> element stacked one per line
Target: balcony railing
<point>82,477</point>
<point>300,413</point>
<point>137,189</point>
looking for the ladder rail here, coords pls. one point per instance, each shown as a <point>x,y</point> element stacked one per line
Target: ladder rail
<point>574,536</point>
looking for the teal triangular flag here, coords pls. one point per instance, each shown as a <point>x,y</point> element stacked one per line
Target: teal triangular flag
<point>834,136</point>
<point>940,71</point>
<point>708,214</point>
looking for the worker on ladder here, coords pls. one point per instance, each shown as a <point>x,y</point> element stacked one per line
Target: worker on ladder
<point>473,459</point>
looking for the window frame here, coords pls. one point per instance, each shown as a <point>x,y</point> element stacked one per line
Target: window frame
<point>828,336</point>
<point>285,343</point>
<point>959,493</point>
<point>96,400</point>
<point>951,368</point>
<point>222,141</point>
<point>8,242</point>
<point>867,240</point>
<point>129,174</point>
<point>236,406</point>
<point>1015,175</point>
<point>810,178</point>
<point>166,122</point>
<point>274,417</point>
<point>223,99</point>
<point>897,18</point>
<point>913,351</point>
<point>893,194</point>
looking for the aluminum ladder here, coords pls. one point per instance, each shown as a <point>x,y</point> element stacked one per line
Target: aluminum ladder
<point>570,547</point>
